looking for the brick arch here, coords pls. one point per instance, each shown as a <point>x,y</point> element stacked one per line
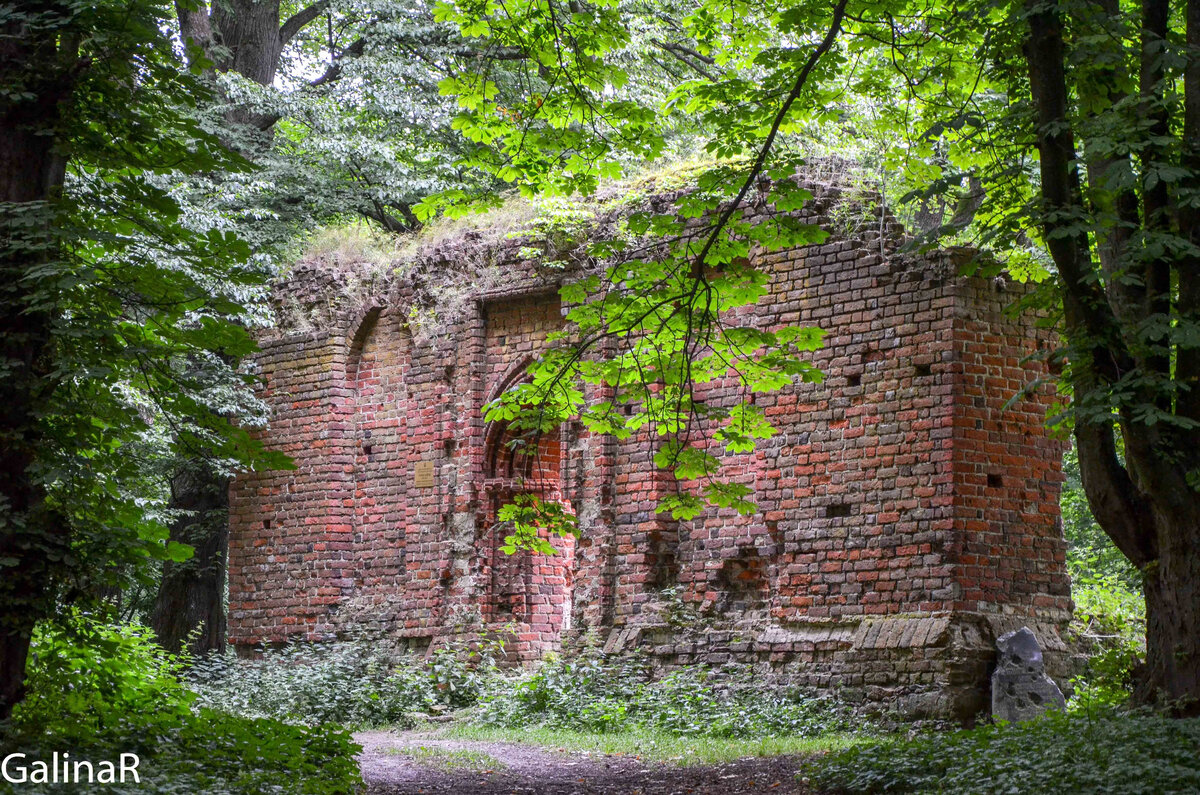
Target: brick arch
<point>535,458</point>
<point>377,395</point>
<point>363,326</point>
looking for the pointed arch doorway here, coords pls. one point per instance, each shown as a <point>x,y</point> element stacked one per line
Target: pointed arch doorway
<point>530,590</point>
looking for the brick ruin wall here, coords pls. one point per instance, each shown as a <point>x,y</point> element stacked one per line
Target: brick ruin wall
<point>907,516</point>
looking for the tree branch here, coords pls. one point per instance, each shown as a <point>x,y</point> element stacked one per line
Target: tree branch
<point>332,73</point>
<point>1155,201</point>
<point>298,20</point>
<point>835,26</point>
<point>686,56</point>
<point>1090,322</point>
<point>335,68</point>
<point>1112,495</point>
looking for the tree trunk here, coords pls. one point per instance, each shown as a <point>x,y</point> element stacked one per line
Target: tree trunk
<point>191,593</point>
<point>14,654</point>
<point>249,31</point>
<point>32,538</point>
<point>1171,675</point>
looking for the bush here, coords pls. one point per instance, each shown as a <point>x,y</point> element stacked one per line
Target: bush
<point>598,694</point>
<point>86,676</point>
<point>1109,623</point>
<point>97,691</point>
<point>1109,626</point>
<point>354,684</point>
<point>1107,752</point>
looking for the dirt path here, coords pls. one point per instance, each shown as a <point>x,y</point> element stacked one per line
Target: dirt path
<point>407,763</point>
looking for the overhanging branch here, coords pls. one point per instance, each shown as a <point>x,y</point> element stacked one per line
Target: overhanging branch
<point>297,21</point>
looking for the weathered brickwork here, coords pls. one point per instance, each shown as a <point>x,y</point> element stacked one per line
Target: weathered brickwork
<point>907,515</point>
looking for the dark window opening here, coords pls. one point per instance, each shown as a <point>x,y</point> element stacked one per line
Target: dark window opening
<point>266,524</point>
<point>664,565</point>
<point>923,370</point>
<point>854,379</point>
<point>995,481</point>
<point>837,511</point>
<point>742,584</point>
<point>366,449</point>
<point>628,409</point>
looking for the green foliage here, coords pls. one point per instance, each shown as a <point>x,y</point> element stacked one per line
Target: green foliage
<point>1109,623</point>
<point>1106,752</point>
<point>98,690</point>
<point>532,519</point>
<point>597,694</point>
<point>670,328</point>
<point>87,676</point>
<point>134,309</point>
<point>1090,552</point>
<point>354,684</point>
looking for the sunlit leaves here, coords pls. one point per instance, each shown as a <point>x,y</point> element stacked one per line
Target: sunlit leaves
<point>534,522</point>
<point>653,327</point>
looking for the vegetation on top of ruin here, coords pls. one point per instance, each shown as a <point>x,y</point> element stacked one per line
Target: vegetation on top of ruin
<point>549,228</point>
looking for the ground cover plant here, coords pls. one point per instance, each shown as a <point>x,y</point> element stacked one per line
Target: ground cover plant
<point>451,758</point>
<point>97,691</point>
<point>356,684</point>
<point>655,745</point>
<point>1104,751</point>
<point>593,693</point>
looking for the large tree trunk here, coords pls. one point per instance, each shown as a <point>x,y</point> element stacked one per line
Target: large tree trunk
<point>28,531</point>
<point>14,656</point>
<point>189,610</point>
<point>1171,675</point>
<point>1141,496</point>
<point>32,538</point>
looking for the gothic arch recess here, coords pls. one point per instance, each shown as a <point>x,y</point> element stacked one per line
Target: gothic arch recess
<point>377,364</point>
<point>362,330</point>
<point>528,588</point>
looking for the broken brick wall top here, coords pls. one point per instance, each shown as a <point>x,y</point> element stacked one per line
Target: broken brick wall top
<point>899,491</point>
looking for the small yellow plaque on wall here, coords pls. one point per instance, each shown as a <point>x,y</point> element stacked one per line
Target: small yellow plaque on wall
<point>423,475</point>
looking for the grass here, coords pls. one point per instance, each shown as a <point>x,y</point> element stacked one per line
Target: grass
<point>656,746</point>
<point>450,758</point>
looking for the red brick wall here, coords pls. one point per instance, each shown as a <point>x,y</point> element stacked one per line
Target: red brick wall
<point>1007,471</point>
<point>905,517</point>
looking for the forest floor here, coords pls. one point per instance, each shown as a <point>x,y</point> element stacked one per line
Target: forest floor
<point>407,763</point>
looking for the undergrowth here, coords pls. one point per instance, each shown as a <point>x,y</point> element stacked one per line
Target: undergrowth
<point>355,684</point>
<point>1106,751</point>
<point>359,686</point>
<point>97,691</point>
<point>593,693</point>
